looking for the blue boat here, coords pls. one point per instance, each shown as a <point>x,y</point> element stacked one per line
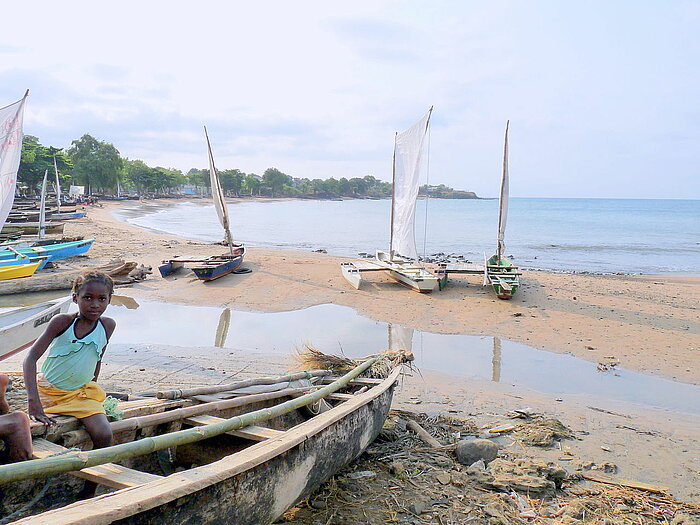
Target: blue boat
<point>218,266</point>
<point>66,216</point>
<point>53,252</point>
<point>23,260</point>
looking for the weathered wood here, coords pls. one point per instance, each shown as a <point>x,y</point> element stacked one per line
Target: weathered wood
<point>70,462</point>
<point>600,478</point>
<point>253,432</point>
<point>109,474</point>
<point>189,392</point>
<point>423,434</point>
<point>250,487</point>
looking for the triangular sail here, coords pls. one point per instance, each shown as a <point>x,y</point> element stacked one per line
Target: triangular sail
<point>42,207</point>
<point>218,196</point>
<point>503,201</point>
<point>58,186</point>
<point>11,119</point>
<point>410,158</point>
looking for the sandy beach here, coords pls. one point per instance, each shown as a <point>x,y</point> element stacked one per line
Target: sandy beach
<point>647,324</point>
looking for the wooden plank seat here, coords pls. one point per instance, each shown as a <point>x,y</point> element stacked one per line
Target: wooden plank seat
<point>109,474</point>
<point>253,432</point>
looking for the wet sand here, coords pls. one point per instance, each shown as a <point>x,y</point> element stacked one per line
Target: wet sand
<point>648,324</point>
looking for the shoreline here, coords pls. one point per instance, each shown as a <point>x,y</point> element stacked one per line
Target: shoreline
<point>583,315</point>
<point>647,324</point>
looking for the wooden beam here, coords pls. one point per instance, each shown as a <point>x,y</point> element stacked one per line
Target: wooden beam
<point>109,474</point>
<point>253,432</point>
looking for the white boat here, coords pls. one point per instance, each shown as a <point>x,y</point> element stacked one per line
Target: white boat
<point>20,327</point>
<point>410,161</point>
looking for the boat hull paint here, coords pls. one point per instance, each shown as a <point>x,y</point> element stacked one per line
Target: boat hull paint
<point>418,285</point>
<point>19,260</point>
<point>250,487</point>
<point>53,252</point>
<point>18,331</point>
<point>19,271</point>
<point>508,275</point>
<point>213,270</point>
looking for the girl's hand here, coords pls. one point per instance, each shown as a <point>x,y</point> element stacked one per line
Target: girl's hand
<point>36,413</point>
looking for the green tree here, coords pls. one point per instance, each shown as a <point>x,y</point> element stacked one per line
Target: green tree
<point>252,183</point>
<point>275,180</point>
<point>36,159</point>
<point>231,180</point>
<point>96,164</point>
<point>139,175</point>
<point>199,177</point>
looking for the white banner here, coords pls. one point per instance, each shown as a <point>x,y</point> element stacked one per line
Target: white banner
<point>75,191</point>
<point>11,120</point>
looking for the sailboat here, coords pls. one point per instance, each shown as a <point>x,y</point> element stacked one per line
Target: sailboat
<point>499,272</point>
<point>210,268</point>
<point>410,152</point>
<point>11,119</point>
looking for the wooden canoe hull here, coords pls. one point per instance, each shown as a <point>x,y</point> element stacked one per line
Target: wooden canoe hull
<point>18,271</point>
<point>502,276</point>
<point>215,268</point>
<point>253,486</point>
<point>53,252</point>
<point>20,328</point>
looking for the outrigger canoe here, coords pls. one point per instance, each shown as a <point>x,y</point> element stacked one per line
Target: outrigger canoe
<point>18,271</point>
<point>246,459</point>
<point>20,327</point>
<point>53,252</point>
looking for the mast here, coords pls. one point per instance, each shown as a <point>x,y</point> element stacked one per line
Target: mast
<point>393,200</point>
<point>42,208</point>
<point>503,201</point>
<point>218,196</point>
<point>58,186</point>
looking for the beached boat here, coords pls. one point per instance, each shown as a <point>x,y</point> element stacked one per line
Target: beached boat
<point>67,216</point>
<point>409,162</point>
<point>18,271</point>
<point>210,268</point>
<point>24,260</point>
<point>248,455</point>
<point>53,252</point>
<point>20,327</point>
<point>33,227</point>
<point>499,272</point>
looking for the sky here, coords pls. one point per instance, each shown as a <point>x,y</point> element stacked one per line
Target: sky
<point>603,97</point>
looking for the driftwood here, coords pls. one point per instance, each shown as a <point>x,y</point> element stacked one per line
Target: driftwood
<point>423,434</point>
<point>177,394</point>
<point>63,280</point>
<point>639,485</point>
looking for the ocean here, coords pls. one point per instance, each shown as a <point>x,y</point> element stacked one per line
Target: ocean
<point>584,235</point>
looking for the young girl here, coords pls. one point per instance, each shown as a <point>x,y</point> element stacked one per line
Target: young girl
<point>76,344</point>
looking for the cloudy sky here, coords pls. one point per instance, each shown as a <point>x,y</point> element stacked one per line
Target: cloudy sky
<point>603,97</point>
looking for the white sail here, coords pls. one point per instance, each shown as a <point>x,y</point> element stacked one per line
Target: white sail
<point>218,196</point>
<point>410,160</point>
<point>58,186</point>
<point>11,119</point>
<point>42,207</point>
<point>503,201</point>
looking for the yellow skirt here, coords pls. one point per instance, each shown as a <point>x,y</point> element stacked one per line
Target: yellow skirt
<point>84,402</point>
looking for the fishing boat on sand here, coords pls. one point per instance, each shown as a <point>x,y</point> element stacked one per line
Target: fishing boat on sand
<point>20,327</point>
<point>18,271</point>
<point>240,453</point>
<point>53,252</point>
<point>409,163</point>
<point>210,268</point>
<point>499,272</point>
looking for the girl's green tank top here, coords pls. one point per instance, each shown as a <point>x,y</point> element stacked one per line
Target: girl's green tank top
<point>71,362</point>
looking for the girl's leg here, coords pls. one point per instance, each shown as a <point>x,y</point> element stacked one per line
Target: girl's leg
<point>98,427</point>
<point>100,432</point>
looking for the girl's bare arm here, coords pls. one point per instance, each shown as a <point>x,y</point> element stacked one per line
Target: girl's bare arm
<point>55,327</point>
<point>109,324</point>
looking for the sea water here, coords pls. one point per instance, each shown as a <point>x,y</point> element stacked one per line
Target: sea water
<point>595,235</point>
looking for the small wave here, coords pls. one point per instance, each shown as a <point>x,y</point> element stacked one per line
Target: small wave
<point>688,249</point>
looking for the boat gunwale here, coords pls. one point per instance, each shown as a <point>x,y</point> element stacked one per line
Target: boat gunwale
<point>127,502</point>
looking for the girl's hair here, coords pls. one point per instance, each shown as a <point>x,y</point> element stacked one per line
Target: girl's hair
<point>92,276</point>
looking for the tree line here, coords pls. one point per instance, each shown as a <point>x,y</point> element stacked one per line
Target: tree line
<point>99,167</point>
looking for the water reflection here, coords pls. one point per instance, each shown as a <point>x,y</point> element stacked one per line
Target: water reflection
<point>333,329</point>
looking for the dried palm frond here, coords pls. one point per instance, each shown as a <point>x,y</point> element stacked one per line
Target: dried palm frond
<point>312,358</point>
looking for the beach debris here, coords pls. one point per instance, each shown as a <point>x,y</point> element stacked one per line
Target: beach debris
<point>502,430</point>
<point>361,474</point>
<point>423,434</point>
<point>309,357</point>
<point>522,413</point>
<point>470,451</point>
<point>543,432</point>
<point>609,412</point>
<point>639,485</point>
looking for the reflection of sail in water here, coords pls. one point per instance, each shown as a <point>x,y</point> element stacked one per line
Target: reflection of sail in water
<point>496,360</point>
<point>400,338</point>
<point>124,300</point>
<point>222,328</point>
